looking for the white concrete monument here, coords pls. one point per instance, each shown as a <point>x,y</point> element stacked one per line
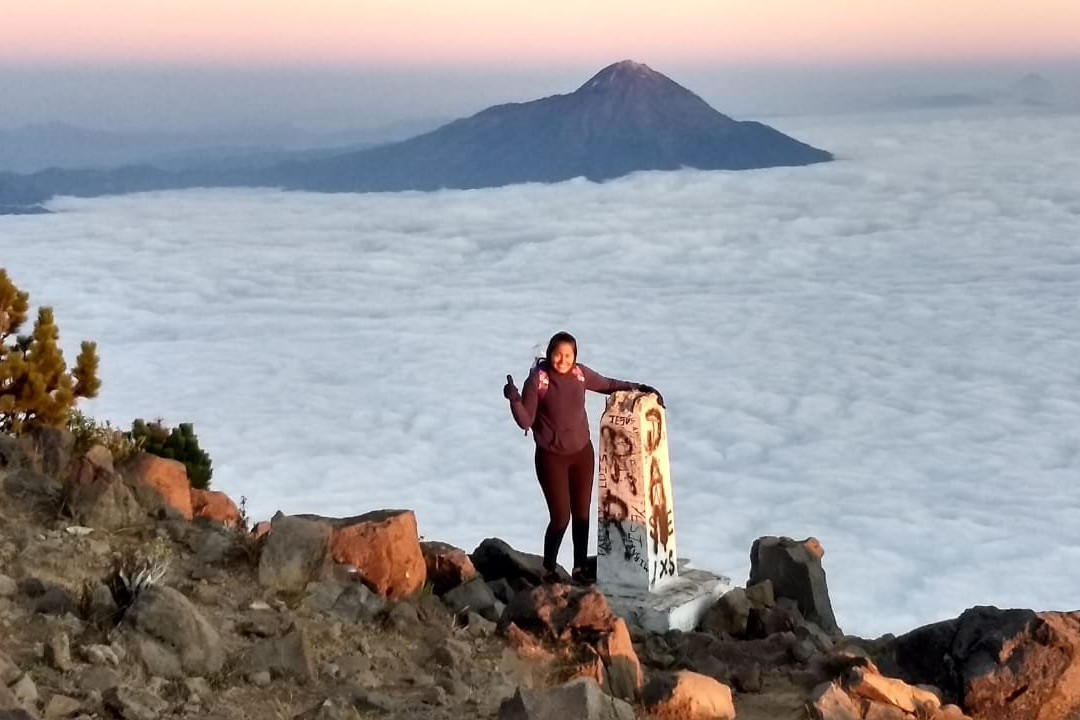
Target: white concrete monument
<point>636,564</point>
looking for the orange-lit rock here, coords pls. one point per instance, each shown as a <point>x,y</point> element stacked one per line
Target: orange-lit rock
<point>447,566</point>
<point>384,547</point>
<point>215,506</point>
<point>623,667</point>
<point>168,478</point>
<point>689,696</point>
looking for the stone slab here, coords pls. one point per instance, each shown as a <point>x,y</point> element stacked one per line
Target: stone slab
<point>679,605</point>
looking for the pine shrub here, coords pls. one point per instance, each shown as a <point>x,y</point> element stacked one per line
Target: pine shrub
<point>36,386</point>
<point>178,443</point>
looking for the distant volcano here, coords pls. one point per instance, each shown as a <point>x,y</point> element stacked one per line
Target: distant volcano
<point>627,117</point>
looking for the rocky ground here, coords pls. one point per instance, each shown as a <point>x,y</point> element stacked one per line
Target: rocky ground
<point>125,594</point>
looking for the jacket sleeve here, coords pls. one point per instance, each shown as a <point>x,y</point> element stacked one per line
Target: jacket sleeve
<point>598,383</point>
<point>524,408</point>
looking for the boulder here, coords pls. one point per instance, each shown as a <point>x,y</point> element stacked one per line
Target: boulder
<point>561,612</point>
<point>97,496</point>
<point>866,683</point>
<point>295,552</point>
<point>495,559</point>
<point>383,546</point>
<point>1014,664</point>
<point>447,566</point>
<point>828,701</point>
<point>215,506</point>
<point>288,657</point>
<point>688,696</point>
<point>172,636</point>
<point>32,489</point>
<point>795,571</point>
<point>623,669</point>
<point>167,478</point>
<point>474,595</point>
<point>49,448</point>
<point>580,699</point>
<point>729,614</point>
<point>352,602</point>
<point>130,703</point>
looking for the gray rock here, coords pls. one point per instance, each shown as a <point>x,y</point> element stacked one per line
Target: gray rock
<point>15,713</point>
<point>25,691</point>
<point>51,447</point>
<point>358,604</point>
<point>61,706</point>
<point>96,495</point>
<point>134,704</point>
<point>198,689</point>
<point>479,626</point>
<point>100,655</point>
<point>296,552</point>
<point>494,559</point>
<point>761,595</point>
<point>58,652</point>
<point>729,614</point>
<point>795,570</point>
<point>173,637</point>
<point>285,657</point>
<point>54,601</point>
<point>351,601</point>
<point>263,624</point>
<point>472,596</point>
<point>8,587</point>
<point>97,679</point>
<point>581,699</point>
<point>33,490</point>
<point>260,678</point>
<point>330,709</point>
<point>748,678</point>
<point>101,610</point>
<point>9,671</point>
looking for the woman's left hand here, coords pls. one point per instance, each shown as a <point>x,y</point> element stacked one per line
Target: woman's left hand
<point>654,391</point>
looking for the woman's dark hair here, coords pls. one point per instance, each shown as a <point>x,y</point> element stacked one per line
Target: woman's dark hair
<point>558,339</point>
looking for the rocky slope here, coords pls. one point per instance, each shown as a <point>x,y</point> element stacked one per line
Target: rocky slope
<point>125,594</point>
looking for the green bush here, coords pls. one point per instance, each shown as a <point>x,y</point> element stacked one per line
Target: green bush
<point>179,443</point>
<point>35,384</point>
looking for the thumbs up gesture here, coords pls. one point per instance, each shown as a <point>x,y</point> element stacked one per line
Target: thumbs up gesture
<point>510,391</point>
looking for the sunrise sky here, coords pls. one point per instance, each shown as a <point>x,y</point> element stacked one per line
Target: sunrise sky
<point>495,31</point>
<point>337,65</point>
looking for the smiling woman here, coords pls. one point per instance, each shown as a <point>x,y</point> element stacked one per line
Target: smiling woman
<point>470,31</point>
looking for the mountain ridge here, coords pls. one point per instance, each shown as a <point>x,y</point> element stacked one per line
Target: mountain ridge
<point>626,118</point>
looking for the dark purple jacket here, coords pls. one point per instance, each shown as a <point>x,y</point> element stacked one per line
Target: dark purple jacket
<point>558,419</point>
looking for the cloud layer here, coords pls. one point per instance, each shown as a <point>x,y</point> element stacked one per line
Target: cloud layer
<point>880,352</point>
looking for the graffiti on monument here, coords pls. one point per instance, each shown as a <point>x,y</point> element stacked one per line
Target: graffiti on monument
<point>661,516</point>
<point>622,503</point>
<point>655,430</point>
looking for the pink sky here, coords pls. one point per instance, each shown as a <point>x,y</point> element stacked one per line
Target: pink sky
<point>391,32</point>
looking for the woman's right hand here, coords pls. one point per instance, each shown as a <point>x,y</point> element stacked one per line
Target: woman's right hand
<point>510,391</point>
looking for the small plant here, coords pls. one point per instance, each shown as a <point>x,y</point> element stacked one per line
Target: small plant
<point>137,569</point>
<point>89,432</point>
<point>179,443</point>
<point>36,386</point>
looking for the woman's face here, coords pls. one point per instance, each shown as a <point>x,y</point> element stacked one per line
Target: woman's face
<point>562,358</point>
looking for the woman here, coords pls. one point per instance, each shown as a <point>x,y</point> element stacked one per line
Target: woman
<point>552,403</point>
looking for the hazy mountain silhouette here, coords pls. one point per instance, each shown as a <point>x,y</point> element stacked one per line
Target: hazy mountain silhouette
<point>626,118</point>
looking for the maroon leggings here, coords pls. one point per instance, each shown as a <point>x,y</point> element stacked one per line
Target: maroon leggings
<point>567,484</point>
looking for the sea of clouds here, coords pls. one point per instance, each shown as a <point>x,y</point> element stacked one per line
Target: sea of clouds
<point>881,352</point>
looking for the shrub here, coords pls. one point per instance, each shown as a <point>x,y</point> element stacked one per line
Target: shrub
<point>179,443</point>
<point>88,432</point>
<point>35,384</point>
